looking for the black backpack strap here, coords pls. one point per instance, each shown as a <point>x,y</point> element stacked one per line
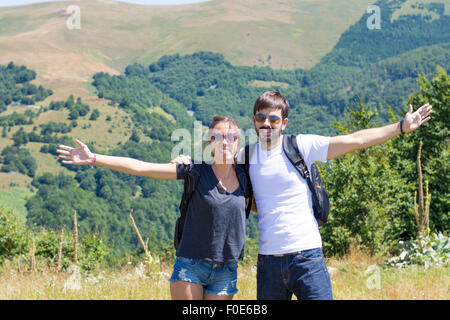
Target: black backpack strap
<point>321,206</point>
<point>248,152</point>
<point>190,183</point>
<point>244,182</point>
<point>247,159</point>
<point>294,155</point>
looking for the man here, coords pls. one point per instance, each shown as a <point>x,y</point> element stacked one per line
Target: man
<point>290,259</point>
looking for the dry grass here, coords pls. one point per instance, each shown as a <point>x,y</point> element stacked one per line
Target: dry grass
<point>412,7</point>
<point>13,178</point>
<point>108,285</point>
<point>131,283</point>
<point>268,84</point>
<point>360,276</point>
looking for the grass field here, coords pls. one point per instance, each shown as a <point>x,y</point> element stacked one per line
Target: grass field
<point>14,199</point>
<point>350,280</point>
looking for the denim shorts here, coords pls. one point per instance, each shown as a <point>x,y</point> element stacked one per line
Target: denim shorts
<point>216,277</point>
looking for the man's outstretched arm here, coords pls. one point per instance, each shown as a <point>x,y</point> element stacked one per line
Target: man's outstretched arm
<point>340,145</point>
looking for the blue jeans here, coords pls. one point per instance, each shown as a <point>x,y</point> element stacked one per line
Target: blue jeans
<point>216,277</point>
<point>303,274</point>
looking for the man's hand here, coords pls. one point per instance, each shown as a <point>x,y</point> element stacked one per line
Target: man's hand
<point>182,159</point>
<point>361,139</point>
<point>412,121</point>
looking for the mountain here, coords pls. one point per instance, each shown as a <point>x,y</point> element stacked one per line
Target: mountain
<point>288,34</point>
<point>132,74</point>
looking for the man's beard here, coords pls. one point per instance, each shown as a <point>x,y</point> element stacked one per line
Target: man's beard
<point>268,135</point>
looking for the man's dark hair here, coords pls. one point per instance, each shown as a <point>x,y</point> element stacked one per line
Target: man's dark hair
<point>272,99</point>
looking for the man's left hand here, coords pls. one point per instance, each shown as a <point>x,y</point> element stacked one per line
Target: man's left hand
<point>412,121</point>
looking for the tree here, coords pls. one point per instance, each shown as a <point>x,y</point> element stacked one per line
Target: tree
<point>15,238</point>
<point>436,150</point>
<point>18,160</point>
<point>368,195</point>
<point>94,115</point>
<point>20,137</point>
<point>135,136</point>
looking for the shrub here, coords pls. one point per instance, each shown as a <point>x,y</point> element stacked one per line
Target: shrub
<point>14,239</point>
<point>431,250</point>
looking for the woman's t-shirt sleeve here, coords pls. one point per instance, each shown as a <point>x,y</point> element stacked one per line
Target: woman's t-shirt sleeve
<point>183,170</point>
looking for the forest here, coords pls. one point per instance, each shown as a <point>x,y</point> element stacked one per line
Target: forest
<point>15,86</point>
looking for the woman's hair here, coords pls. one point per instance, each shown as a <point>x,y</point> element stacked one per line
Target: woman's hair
<point>272,99</point>
<point>218,119</point>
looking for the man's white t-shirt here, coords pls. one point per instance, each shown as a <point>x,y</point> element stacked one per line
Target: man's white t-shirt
<point>285,216</point>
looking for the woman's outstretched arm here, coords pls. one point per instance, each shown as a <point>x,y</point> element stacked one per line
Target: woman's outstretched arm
<point>83,156</point>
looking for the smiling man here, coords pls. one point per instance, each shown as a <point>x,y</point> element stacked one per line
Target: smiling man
<point>290,259</point>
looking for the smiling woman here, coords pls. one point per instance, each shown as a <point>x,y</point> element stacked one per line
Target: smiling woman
<point>210,233</point>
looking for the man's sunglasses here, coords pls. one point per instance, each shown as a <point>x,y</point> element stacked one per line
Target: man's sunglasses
<point>231,137</point>
<point>261,118</point>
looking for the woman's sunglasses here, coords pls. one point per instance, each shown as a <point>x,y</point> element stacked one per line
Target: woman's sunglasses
<point>261,118</point>
<point>231,137</point>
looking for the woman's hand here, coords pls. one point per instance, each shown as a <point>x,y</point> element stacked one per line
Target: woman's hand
<point>82,155</point>
<point>78,156</point>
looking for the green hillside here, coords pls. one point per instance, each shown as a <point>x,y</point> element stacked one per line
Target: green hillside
<point>83,93</point>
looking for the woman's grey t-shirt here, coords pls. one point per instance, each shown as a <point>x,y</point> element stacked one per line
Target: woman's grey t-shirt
<point>214,228</point>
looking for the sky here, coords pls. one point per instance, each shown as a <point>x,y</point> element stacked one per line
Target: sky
<point>6,3</point>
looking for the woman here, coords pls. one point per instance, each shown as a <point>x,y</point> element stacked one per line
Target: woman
<point>214,230</point>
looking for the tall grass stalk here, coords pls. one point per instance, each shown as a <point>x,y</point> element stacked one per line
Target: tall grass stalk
<point>75,227</point>
<point>422,210</point>
<point>144,245</point>
<point>60,244</point>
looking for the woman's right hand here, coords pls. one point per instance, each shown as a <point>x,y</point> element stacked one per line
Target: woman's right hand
<point>82,155</point>
<point>78,156</point>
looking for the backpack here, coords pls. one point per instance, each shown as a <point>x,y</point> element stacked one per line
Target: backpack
<point>190,183</point>
<point>321,204</point>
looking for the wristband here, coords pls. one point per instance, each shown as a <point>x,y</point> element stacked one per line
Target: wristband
<point>401,127</point>
<point>95,159</point>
